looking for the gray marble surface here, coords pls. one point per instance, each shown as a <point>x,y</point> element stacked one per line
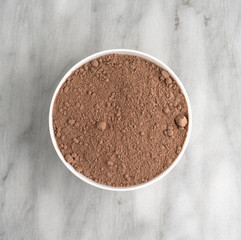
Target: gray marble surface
<point>200,40</point>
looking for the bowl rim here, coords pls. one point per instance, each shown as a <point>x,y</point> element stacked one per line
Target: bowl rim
<point>133,53</point>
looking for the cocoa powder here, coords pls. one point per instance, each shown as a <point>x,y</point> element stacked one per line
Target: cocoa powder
<point>120,120</point>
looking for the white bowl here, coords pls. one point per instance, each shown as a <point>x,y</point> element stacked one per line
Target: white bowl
<point>128,52</point>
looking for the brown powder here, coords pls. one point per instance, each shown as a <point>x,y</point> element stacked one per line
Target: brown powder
<point>120,120</point>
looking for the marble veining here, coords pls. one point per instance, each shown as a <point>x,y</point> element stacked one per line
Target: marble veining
<point>199,40</point>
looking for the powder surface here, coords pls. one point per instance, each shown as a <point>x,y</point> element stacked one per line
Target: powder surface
<point>120,120</point>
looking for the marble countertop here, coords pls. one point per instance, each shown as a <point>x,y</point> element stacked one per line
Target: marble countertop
<point>200,40</point>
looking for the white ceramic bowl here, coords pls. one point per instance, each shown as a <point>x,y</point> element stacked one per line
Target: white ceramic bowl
<point>128,52</point>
